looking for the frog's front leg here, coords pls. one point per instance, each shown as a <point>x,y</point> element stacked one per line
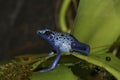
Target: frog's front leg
<point>54,64</point>
<point>52,52</point>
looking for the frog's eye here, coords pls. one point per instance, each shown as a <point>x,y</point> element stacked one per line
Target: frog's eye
<point>48,33</point>
<point>51,37</point>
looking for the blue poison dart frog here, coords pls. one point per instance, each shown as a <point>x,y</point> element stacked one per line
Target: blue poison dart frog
<point>62,42</point>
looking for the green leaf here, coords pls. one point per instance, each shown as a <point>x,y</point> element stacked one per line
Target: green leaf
<point>112,66</point>
<point>60,73</point>
<point>98,24</point>
<point>62,15</point>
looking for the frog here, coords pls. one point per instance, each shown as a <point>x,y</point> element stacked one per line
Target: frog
<point>62,42</point>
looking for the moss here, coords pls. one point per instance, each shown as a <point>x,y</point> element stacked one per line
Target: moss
<point>15,71</point>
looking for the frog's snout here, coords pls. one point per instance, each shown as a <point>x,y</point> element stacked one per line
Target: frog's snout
<point>38,32</point>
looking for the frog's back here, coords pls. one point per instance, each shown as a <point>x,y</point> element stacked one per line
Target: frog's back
<point>63,41</point>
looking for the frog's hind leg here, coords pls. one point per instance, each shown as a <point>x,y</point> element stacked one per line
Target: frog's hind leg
<point>54,64</point>
<point>80,48</point>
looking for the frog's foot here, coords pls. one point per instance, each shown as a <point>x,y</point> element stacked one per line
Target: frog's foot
<point>51,53</point>
<point>54,64</point>
<point>46,70</point>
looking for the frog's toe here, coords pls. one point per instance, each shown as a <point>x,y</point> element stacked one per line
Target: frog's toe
<point>46,70</point>
<point>51,53</point>
<point>54,64</point>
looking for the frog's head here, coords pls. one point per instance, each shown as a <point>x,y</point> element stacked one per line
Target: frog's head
<point>46,34</point>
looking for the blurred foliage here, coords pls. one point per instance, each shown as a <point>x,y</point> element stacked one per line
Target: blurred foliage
<point>29,58</point>
<point>15,71</point>
<point>67,13</point>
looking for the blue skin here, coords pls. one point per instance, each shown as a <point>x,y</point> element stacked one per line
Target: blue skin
<point>62,42</point>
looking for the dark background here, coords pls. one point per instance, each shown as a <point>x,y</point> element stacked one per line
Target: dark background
<point>19,21</point>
